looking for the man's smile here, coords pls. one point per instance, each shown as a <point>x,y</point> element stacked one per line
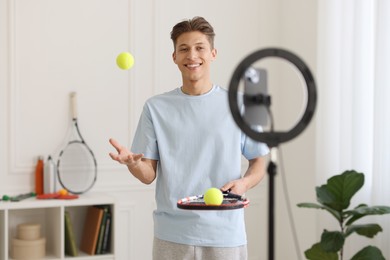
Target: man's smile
<point>193,65</point>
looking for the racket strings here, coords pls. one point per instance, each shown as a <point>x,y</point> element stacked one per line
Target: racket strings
<point>230,201</point>
<point>77,167</point>
<point>227,196</point>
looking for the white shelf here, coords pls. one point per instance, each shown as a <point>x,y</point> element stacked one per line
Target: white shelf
<point>50,215</point>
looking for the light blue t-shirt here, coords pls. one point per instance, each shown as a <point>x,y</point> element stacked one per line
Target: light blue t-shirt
<point>198,146</point>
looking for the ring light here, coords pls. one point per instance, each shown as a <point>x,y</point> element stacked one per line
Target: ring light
<point>272,138</point>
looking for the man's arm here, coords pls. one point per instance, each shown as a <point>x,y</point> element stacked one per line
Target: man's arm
<point>253,175</point>
<point>141,168</point>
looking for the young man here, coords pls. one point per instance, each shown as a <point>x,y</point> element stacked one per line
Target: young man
<point>188,139</point>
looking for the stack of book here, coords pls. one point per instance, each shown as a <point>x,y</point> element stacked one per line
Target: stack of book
<point>96,232</point>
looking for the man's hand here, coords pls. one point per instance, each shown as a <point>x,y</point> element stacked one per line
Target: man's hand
<point>142,168</point>
<point>124,156</point>
<point>253,175</point>
<point>237,187</point>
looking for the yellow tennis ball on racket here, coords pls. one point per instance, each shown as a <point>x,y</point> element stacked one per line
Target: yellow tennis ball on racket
<point>125,60</point>
<point>213,196</point>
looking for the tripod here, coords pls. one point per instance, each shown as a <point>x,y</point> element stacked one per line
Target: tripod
<point>272,139</point>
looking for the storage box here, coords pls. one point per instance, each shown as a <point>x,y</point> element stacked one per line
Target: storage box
<point>28,244</point>
<point>28,231</point>
<point>28,249</point>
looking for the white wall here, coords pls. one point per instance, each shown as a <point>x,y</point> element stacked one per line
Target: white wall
<point>50,48</point>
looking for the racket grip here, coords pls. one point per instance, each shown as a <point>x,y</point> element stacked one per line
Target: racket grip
<point>228,194</point>
<point>73,104</point>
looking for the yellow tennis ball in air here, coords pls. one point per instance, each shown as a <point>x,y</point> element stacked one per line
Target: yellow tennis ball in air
<point>125,60</point>
<point>213,196</point>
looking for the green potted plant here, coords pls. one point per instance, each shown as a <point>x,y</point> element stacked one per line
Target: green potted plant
<point>335,197</point>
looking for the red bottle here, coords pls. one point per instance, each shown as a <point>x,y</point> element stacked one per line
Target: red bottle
<point>39,176</point>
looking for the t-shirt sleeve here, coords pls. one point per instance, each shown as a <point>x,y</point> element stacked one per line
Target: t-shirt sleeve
<point>250,148</point>
<point>145,140</point>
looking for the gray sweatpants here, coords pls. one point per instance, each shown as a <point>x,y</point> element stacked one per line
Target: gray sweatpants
<point>165,250</point>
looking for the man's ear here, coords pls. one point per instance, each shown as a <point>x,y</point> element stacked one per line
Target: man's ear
<point>214,54</point>
<point>174,57</point>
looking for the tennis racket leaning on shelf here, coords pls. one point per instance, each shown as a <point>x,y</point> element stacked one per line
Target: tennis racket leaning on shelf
<point>230,201</point>
<point>76,165</point>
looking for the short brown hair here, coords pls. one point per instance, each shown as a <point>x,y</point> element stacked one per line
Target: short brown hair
<point>195,24</point>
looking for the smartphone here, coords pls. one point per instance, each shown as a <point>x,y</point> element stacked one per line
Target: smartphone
<point>255,92</point>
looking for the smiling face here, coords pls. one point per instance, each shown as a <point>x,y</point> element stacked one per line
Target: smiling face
<point>193,55</point>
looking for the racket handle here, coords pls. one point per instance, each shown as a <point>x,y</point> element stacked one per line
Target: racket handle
<point>228,194</point>
<point>73,104</point>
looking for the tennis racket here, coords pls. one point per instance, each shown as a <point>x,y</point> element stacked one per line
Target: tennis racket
<point>76,165</point>
<point>230,201</point>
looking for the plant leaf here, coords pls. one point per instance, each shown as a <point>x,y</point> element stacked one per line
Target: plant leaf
<point>332,241</point>
<point>317,253</point>
<point>369,253</point>
<point>367,230</point>
<point>310,205</point>
<point>324,196</point>
<point>363,210</point>
<point>373,210</point>
<point>353,215</point>
<point>335,213</point>
<point>339,190</point>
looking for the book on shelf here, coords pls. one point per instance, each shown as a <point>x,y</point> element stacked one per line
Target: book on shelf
<point>106,211</point>
<point>90,235</point>
<point>70,242</point>
<point>107,236</point>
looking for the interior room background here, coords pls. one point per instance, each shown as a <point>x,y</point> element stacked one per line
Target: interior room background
<point>50,48</point>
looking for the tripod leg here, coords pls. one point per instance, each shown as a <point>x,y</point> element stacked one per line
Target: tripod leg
<point>271,210</point>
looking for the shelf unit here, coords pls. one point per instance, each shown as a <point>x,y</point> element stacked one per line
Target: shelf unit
<point>50,215</point>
